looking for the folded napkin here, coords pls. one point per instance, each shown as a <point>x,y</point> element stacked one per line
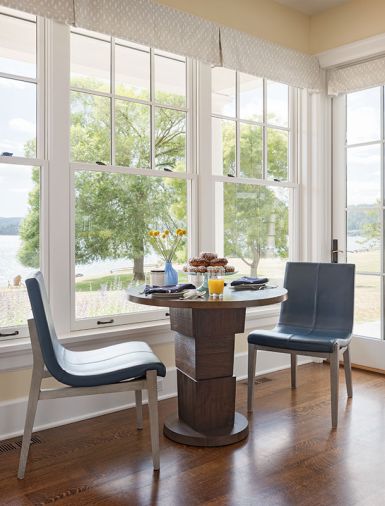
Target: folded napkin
<point>168,289</point>
<point>249,281</point>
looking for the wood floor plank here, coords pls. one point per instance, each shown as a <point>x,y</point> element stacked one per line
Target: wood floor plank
<point>292,457</point>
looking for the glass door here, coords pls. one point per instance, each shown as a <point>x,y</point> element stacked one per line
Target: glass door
<point>358,197</point>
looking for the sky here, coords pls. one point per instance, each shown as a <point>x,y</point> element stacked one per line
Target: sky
<point>364,162</point>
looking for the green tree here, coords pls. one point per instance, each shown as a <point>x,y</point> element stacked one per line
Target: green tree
<point>28,253</point>
<point>114,211</point>
<point>256,217</point>
<point>364,221</point>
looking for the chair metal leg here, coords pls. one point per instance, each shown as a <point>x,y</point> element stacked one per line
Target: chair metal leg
<point>293,362</point>
<point>34,393</point>
<point>151,377</point>
<point>334,384</point>
<point>348,372</point>
<point>139,409</point>
<point>252,358</point>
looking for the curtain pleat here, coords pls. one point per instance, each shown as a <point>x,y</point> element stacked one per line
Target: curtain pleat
<point>152,24</point>
<point>272,61</point>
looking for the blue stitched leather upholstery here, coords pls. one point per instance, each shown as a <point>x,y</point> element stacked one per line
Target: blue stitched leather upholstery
<point>103,366</point>
<point>318,312</point>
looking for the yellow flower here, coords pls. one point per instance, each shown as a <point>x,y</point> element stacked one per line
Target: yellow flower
<point>151,233</point>
<point>156,233</point>
<point>166,232</point>
<point>164,235</point>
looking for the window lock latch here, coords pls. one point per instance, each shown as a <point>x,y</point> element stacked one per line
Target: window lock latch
<point>9,334</point>
<point>105,322</point>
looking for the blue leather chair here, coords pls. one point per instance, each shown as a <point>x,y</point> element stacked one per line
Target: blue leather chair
<point>130,366</point>
<point>316,320</point>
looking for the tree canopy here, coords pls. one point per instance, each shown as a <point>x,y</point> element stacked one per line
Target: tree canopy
<point>114,211</point>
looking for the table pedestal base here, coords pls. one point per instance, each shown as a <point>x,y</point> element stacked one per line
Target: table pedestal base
<point>204,356</point>
<point>180,432</point>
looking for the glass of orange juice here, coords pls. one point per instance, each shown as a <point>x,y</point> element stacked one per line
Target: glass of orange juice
<point>216,283</point>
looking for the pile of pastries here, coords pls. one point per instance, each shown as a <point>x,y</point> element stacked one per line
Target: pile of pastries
<point>207,259</point>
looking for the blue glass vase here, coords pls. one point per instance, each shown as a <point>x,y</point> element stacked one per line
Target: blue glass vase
<point>170,274</point>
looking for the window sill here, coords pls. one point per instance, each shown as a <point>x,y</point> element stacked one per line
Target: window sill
<point>16,353</point>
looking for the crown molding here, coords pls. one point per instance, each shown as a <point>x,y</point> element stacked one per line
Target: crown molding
<point>349,53</point>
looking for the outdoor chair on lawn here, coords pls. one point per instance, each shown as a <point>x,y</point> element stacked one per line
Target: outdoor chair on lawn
<point>130,366</point>
<point>315,320</point>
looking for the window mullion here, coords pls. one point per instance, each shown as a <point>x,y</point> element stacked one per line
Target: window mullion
<point>382,288</point>
<point>58,141</point>
<point>264,132</point>
<point>152,108</point>
<point>237,126</point>
<point>112,104</point>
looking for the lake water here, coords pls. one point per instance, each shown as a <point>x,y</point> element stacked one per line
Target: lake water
<point>11,267</point>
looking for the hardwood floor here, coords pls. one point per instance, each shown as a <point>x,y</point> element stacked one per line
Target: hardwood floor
<point>291,457</point>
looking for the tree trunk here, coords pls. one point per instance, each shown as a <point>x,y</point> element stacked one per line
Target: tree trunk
<point>139,268</point>
<point>255,262</point>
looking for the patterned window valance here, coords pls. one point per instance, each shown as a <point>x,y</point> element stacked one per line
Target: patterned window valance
<point>272,61</point>
<point>156,25</point>
<point>59,10</point>
<point>357,76</point>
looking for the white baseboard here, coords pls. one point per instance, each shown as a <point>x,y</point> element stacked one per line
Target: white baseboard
<point>53,413</point>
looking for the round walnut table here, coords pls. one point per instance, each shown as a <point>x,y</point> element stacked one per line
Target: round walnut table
<point>204,354</point>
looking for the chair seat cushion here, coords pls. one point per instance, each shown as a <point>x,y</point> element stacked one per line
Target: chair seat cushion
<point>300,339</point>
<point>108,365</point>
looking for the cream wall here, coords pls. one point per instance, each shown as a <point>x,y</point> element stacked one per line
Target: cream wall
<point>343,24</point>
<point>346,23</point>
<point>260,18</point>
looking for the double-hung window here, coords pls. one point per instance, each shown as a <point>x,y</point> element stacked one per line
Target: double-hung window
<point>132,169</point>
<point>147,130</point>
<point>252,162</point>
<point>22,163</point>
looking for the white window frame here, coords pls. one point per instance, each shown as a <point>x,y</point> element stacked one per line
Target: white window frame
<point>57,189</point>
<point>189,175</point>
<point>41,160</point>
<point>211,213</point>
<point>340,160</point>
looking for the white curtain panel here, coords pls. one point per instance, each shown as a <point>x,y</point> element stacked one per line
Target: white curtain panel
<point>265,59</point>
<point>152,24</point>
<point>61,11</point>
<point>356,77</point>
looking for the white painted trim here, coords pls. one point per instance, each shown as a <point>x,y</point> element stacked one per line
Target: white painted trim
<point>57,412</point>
<point>368,352</point>
<point>353,52</point>
<point>57,210</point>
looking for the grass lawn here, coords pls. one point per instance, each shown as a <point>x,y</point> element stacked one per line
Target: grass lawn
<point>107,294</point>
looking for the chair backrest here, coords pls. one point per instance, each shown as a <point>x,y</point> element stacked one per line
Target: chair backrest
<point>321,296</point>
<point>51,348</point>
